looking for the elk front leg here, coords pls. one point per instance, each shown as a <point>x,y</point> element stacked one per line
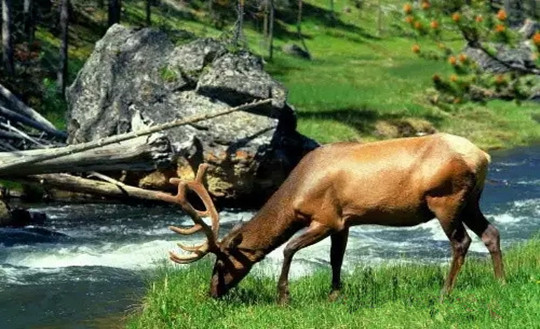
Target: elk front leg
<point>315,233</point>
<point>337,250</point>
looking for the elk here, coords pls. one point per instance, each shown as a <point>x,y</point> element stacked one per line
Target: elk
<point>399,182</point>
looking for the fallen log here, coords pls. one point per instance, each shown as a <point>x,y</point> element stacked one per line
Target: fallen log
<point>12,165</point>
<point>18,106</point>
<point>139,154</point>
<point>66,182</point>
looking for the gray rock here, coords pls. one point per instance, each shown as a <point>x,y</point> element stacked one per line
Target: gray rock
<point>137,78</point>
<point>5,214</point>
<point>295,50</point>
<point>521,56</point>
<point>529,28</point>
<point>237,78</point>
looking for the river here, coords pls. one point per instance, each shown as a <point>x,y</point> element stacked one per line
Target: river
<point>89,264</point>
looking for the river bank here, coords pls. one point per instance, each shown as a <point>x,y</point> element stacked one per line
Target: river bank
<point>392,296</point>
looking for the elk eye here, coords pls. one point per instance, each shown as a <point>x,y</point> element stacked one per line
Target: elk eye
<point>235,241</point>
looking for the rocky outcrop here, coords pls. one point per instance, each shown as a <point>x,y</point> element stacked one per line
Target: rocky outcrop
<point>522,56</point>
<point>136,78</point>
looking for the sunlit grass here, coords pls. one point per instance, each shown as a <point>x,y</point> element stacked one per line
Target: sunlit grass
<point>391,296</point>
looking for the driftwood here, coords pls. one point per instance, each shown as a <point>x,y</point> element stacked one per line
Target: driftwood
<point>143,153</point>
<point>38,121</point>
<point>66,182</point>
<point>13,164</point>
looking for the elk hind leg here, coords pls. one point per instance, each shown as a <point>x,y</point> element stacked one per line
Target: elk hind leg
<point>448,211</point>
<point>489,234</point>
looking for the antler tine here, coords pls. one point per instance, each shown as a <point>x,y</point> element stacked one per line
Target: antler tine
<point>197,186</point>
<point>184,259</point>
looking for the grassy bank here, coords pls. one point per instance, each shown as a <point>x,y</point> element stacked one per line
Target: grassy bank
<point>362,84</point>
<point>393,296</point>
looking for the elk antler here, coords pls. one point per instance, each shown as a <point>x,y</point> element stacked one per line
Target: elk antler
<point>196,186</point>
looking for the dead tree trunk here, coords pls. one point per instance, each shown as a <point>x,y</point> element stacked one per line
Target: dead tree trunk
<point>28,16</point>
<point>271,20</point>
<point>139,154</point>
<point>72,183</point>
<point>7,41</point>
<point>238,37</point>
<point>63,68</point>
<point>148,12</point>
<point>115,8</point>
<point>299,27</point>
<point>12,165</point>
<point>18,106</point>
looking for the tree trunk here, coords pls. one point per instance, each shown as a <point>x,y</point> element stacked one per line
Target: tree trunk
<point>7,41</point>
<point>239,26</point>
<point>63,68</point>
<point>515,11</point>
<point>532,9</point>
<point>115,8</point>
<point>16,105</point>
<point>8,167</point>
<point>271,21</point>
<point>332,14</point>
<point>76,184</point>
<point>139,154</point>
<point>299,27</point>
<point>28,16</point>
<point>101,3</point>
<point>148,12</point>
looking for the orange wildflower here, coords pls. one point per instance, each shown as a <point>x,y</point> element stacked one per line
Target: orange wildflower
<point>453,78</point>
<point>456,17</point>
<point>415,49</point>
<point>434,25</point>
<point>500,28</point>
<point>426,5</point>
<point>479,19</point>
<point>463,58</point>
<point>407,8</point>
<point>452,60</point>
<point>436,78</point>
<point>500,80</point>
<point>536,39</point>
<point>409,19</point>
<point>501,15</point>
<point>418,25</point>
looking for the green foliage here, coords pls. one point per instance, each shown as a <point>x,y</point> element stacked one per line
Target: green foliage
<point>479,26</point>
<point>168,75</point>
<point>53,105</point>
<point>390,296</point>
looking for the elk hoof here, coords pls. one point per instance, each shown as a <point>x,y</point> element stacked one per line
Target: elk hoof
<point>284,299</point>
<point>334,295</point>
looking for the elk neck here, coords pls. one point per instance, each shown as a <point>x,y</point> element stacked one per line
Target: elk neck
<point>272,226</point>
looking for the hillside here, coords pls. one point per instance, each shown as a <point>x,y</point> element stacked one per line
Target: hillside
<point>362,83</point>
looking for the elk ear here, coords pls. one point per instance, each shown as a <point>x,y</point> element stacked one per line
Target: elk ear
<point>235,241</point>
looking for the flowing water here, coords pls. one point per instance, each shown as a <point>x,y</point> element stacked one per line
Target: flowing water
<point>86,266</point>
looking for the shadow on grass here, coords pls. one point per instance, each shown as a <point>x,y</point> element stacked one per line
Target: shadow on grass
<point>363,120</point>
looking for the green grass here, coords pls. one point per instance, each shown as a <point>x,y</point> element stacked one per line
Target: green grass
<point>390,296</point>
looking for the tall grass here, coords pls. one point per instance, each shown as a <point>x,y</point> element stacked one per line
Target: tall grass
<point>391,296</point>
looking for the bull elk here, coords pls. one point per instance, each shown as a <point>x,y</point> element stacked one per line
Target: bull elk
<point>400,182</point>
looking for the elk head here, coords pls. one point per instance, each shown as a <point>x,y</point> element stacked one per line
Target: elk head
<point>232,264</point>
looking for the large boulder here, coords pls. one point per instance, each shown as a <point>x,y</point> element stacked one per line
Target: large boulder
<point>137,78</point>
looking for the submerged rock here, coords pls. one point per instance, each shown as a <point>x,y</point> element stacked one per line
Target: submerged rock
<point>136,78</point>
